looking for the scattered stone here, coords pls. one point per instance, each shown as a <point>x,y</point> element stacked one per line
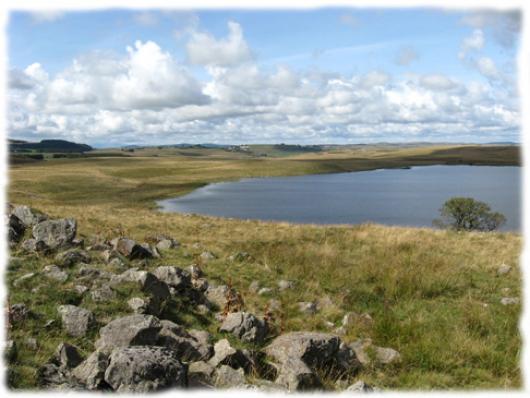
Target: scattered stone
<point>217,295</point>
<point>144,369</point>
<point>71,257</point>
<point>200,375</point>
<point>103,294</point>
<point>264,291</point>
<point>245,327</point>
<point>80,289</point>
<point>173,276</point>
<point>386,356</point>
<point>15,227</point>
<point>17,282</point>
<point>295,375</point>
<point>18,312</point>
<point>509,300</point>
<point>190,346</point>
<point>201,284</point>
<point>307,307</point>
<point>225,354</point>
<point>166,244</point>
<point>54,272</point>
<point>202,309</point>
<point>32,246</point>
<point>227,377</point>
<point>117,263</point>
<point>503,269</point>
<point>368,354</point>
<point>128,331</point>
<point>207,256</point>
<point>284,285</point>
<point>130,249</point>
<point>76,320</point>
<point>91,372</point>
<point>55,233</point>
<point>27,216</point>
<point>254,287</point>
<point>67,356</point>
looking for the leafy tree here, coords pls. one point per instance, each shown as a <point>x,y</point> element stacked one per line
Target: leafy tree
<point>468,214</point>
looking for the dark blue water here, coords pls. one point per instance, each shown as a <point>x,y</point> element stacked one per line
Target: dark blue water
<point>390,196</point>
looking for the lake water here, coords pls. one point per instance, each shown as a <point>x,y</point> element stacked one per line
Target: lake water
<point>387,196</point>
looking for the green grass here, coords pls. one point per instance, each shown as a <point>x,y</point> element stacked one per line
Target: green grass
<point>434,295</point>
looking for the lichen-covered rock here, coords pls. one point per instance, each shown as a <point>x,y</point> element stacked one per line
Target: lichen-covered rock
<point>227,377</point>
<point>67,356</point>
<point>190,346</point>
<point>245,327</point>
<point>91,372</point>
<point>71,257</point>
<point>128,331</point>
<point>144,369</point>
<point>200,375</point>
<point>131,249</point>
<point>55,233</point>
<point>173,276</point>
<point>54,272</point>
<point>103,294</point>
<point>225,354</point>
<point>76,320</point>
<point>295,375</point>
<point>28,216</point>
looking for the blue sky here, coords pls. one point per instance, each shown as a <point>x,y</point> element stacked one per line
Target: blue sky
<point>231,76</point>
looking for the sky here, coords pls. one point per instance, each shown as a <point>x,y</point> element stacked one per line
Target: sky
<point>315,76</point>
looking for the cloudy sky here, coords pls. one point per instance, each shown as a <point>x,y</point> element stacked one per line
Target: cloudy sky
<point>120,77</point>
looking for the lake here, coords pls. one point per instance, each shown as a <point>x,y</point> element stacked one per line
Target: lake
<point>387,196</point>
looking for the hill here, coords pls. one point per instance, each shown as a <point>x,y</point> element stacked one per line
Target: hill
<point>47,146</point>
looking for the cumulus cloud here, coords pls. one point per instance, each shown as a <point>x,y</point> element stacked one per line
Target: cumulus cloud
<point>146,96</point>
<point>504,26</point>
<point>473,42</point>
<point>205,49</point>
<point>44,16</point>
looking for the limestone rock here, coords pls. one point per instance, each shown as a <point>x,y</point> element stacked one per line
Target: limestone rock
<point>245,327</point>
<point>173,276</point>
<point>27,216</point>
<point>130,249</point>
<point>67,356</point>
<point>503,269</point>
<point>200,375</point>
<point>103,294</point>
<point>509,300</point>
<point>307,307</point>
<point>76,320</point>
<point>54,272</point>
<point>225,354</point>
<point>144,369</point>
<point>71,257</point>
<point>55,233</point>
<point>91,372</point>
<point>227,377</point>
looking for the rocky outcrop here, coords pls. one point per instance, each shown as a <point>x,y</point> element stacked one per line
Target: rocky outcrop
<point>91,372</point>
<point>27,216</point>
<point>144,369</point>
<point>131,249</point>
<point>190,346</point>
<point>71,257</point>
<point>173,276</point>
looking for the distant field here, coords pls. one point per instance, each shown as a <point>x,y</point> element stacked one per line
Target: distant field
<point>434,295</point>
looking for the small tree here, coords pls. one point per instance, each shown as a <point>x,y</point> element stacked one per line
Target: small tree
<point>468,214</point>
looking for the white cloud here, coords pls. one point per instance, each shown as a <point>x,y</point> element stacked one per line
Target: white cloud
<point>504,26</point>
<point>470,43</point>
<point>46,16</point>
<point>145,18</point>
<point>437,82</point>
<point>487,67</point>
<point>205,49</point>
<point>406,56</point>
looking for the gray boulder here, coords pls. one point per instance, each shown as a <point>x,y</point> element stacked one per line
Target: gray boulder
<point>27,216</point>
<point>33,245</point>
<point>200,375</point>
<point>91,372</point>
<point>307,307</point>
<point>130,249</point>
<point>103,294</point>
<point>15,229</point>
<point>132,330</point>
<point>295,375</point>
<point>245,327</point>
<point>225,354</point>
<point>503,269</point>
<point>54,272</point>
<point>284,285</point>
<point>190,346</point>
<point>227,377</point>
<point>55,233</point>
<point>71,257</point>
<point>509,300</point>
<point>67,356</point>
<point>144,369</point>
<point>173,276</point>
<point>76,320</point>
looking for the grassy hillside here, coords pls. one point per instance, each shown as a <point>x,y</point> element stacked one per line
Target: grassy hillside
<point>433,295</point>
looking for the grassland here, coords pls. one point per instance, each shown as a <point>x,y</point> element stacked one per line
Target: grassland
<point>434,295</point>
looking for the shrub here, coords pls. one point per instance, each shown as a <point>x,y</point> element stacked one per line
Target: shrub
<point>468,214</point>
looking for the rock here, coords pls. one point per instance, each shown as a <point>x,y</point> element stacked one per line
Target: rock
<point>103,294</point>
<point>18,312</point>
<point>245,327</point>
<point>117,263</point>
<point>148,282</point>
<point>53,376</point>
<point>325,303</point>
<point>190,346</point>
<point>225,354</point>
<point>128,331</point>
<point>67,356</point>
<point>284,285</point>
<point>201,284</point>
<point>369,354</point>
<point>307,307</point>
<point>17,282</point>
<point>195,271</point>
<point>130,249</point>
<point>144,369</point>
<point>140,305</point>
<point>10,351</point>
<point>15,229</point>
<point>91,372</point>
<point>71,257</point>
<point>509,300</point>
<point>91,274</point>
<point>76,320</point>
<point>295,375</point>
<point>207,256</point>
<point>264,291</point>
<point>202,309</point>
<point>227,377</point>
<point>80,289</point>
<point>27,216</point>
<point>54,272</point>
<point>173,276</point>
<point>218,295</point>
<point>200,375</point>
<point>315,350</point>
<point>55,233</point>
<point>32,246</point>
<point>31,343</point>
<point>353,319</point>
<point>166,244</point>
<point>503,269</point>
<point>254,287</point>
<point>360,386</point>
